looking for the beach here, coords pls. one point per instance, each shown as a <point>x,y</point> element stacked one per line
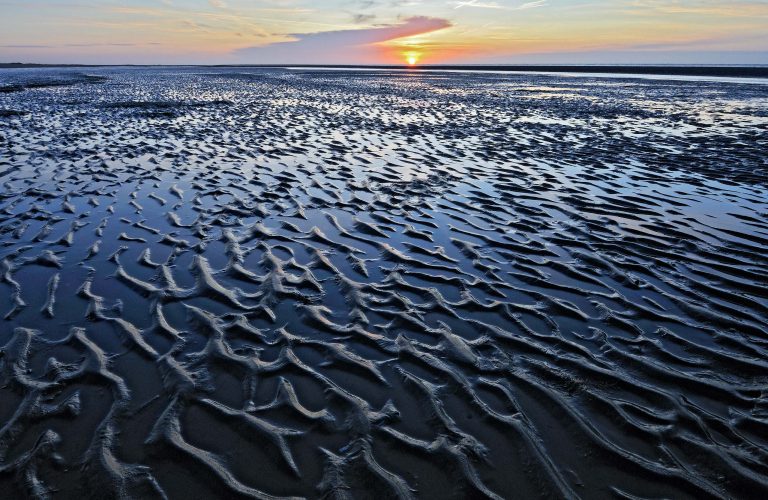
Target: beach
<point>275,282</point>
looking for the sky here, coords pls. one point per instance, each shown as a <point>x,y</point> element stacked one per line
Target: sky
<point>384,31</point>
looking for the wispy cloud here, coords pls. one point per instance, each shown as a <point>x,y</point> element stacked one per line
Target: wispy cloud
<point>753,9</point>
<point>348,46</point>
<point>80,45</point>
<point>495,5</point>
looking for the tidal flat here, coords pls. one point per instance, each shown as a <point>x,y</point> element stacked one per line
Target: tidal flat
<point>263,283</point>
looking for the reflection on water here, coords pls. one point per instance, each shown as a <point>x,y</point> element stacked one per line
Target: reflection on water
<point>266,283</point>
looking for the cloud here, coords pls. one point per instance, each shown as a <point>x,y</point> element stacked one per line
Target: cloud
<point>80,45</point>
<point>714,8</point>
<point>363,18</point>
<point>355,46</point>
<point>494,5</point>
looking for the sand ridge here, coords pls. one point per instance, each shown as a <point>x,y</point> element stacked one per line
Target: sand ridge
<point>275,283</point>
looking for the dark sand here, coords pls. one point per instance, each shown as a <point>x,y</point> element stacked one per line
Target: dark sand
<point>244,282</point>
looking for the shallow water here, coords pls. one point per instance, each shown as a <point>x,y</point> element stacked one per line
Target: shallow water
<point>223,283</point>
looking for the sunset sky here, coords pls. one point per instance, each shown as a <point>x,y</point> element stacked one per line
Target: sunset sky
<point>384,31</point>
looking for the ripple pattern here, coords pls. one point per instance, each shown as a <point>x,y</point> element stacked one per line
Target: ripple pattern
<point>275,283</point>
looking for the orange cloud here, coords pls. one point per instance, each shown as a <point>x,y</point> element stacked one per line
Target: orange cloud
<point>356,46</point>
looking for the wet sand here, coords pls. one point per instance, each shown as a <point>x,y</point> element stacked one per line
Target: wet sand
<point>224,283</point>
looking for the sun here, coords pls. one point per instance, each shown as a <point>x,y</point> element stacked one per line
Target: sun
<point>412,57</point>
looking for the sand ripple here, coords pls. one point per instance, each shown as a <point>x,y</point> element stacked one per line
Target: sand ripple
<point>269,283</point>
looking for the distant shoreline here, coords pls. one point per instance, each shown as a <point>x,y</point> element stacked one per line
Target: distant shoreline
<point>738,71</point>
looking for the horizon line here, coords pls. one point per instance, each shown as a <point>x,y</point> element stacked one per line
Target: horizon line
<point>711,70</point>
